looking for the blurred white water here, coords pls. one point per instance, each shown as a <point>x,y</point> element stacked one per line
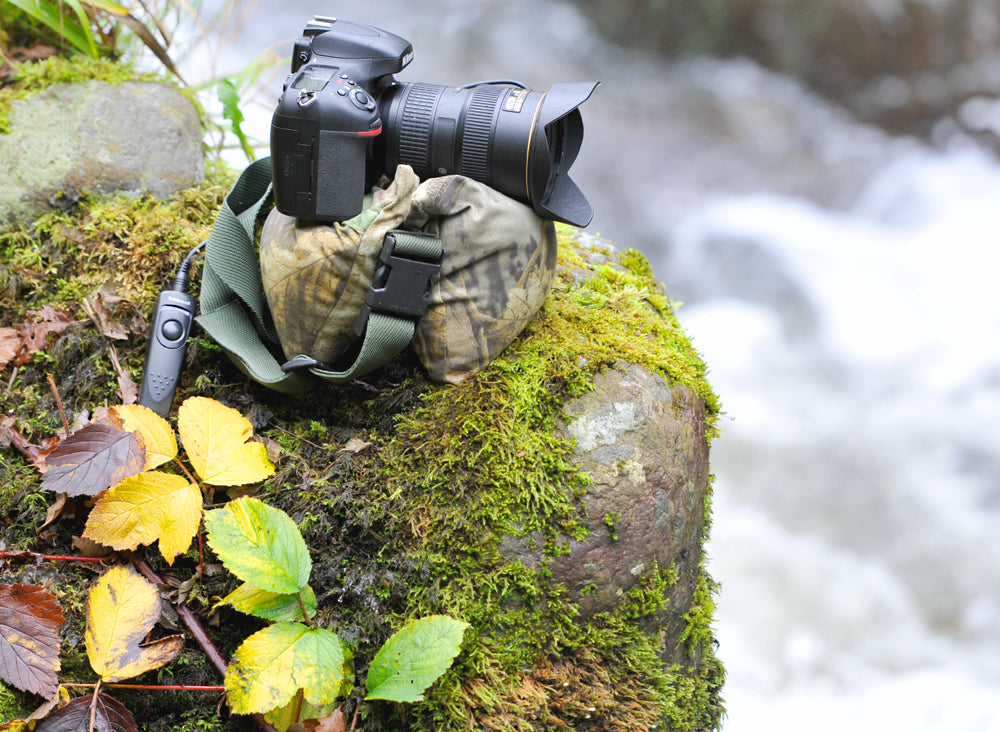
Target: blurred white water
<point>857,498</point>
<point>841,286</point>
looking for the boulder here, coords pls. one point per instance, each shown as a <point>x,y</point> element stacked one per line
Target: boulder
<point>133,137</point>
<point>557,501</point>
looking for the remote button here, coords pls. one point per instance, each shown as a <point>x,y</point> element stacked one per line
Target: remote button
<point>172,330</point>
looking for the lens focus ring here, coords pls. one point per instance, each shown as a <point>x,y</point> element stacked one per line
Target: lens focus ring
<point>415,125</point>
<point>478,132</point>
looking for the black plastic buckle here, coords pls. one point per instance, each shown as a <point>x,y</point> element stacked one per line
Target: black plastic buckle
<point>400,285</point>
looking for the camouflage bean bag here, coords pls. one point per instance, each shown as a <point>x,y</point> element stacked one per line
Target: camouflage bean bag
<point>498,265</point>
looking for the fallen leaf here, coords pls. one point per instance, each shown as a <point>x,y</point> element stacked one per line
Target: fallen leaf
<point>10,344</point>
<point>96,307</point>
<point>53,512</point>
<point>29,638</point>
<point>122,609</point>
<point>127,388</point>
<point>355,445</point>
<point>60,699</point>
<point>110,716</point>
<point>93,459</point>
<point>7,423</point>
<point>335,722</point>
<point>145,508</point>
<point>260,545</point>
<point>215,438</point>
<point>270,667</point>
<point>157,434</point>
<point>88,548</point>
<point>34,334</point>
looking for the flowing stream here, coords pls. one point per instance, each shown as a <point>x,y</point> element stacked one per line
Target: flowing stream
<point>840,284</point>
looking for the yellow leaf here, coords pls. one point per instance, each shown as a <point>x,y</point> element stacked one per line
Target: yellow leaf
<point>271,665</point>
<point>144,508</point>
<point>215,438</point>
<point>121,610</point>
<point>156,433</point>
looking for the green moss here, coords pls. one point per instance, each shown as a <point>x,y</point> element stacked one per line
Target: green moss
<point>133,243</point>
<point>416,523</point>
<point>11,704</point>
<point>30,78</point>
<point>485,460</point>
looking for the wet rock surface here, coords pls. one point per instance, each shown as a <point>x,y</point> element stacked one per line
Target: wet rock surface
<point>135,137</point>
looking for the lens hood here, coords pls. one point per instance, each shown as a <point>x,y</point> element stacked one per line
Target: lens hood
<point>555,142</point>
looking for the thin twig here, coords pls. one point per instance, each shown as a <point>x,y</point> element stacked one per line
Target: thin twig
<point>93,707</point>
<point>186,471</point>
<point>24,447</point>
<point>148,687</point>
<point>62,412</point>
<point>50,557</point>
<point>191,621</point>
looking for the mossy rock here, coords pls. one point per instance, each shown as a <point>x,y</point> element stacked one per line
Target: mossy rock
<point>69,127</point>
<point>418,514</point>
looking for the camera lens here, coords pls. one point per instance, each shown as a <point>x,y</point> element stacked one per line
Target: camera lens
<point>518,141</point>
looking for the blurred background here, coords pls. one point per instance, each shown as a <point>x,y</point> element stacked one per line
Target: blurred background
<point>817,182</point>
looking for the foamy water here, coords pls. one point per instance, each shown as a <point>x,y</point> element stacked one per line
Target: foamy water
<point>858,497</point>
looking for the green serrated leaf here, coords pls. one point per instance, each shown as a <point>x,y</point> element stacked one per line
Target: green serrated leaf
<point>271,666</point>
<point>414,658</point>
<point>270,605</point>
<point>260,545</point>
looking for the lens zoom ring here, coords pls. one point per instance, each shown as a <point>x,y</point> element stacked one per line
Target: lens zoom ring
<point>415,126</point>
<point>478,131</point>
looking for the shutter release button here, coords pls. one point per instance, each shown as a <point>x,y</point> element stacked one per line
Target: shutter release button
<point>172,330</point>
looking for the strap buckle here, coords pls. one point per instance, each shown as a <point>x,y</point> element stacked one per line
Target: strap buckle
<point>407,264</point>
<point>402,281</point>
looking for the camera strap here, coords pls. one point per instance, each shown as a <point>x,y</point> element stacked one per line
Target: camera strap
<point>235,314</point>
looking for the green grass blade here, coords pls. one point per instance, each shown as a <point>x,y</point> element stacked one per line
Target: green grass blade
<point>48,14</point>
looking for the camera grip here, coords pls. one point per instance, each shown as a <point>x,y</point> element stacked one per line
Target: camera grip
<point>165,352</point>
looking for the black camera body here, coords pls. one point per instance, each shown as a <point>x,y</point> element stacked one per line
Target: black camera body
<point>343,121</point>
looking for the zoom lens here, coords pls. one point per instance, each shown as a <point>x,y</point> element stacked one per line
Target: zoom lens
<point>518,141</point>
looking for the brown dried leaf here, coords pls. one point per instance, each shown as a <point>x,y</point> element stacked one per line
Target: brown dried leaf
<point>10,344</point>
<point>110,716</point>
<point>97,308</point>
<point>92,460</point>
<point>29,638</point>
<point>90,548</point>
<point>336,722</point>
<point>54,511</point>
<point>7,423</point>
<point>33,334</point>
<point>127,387</point>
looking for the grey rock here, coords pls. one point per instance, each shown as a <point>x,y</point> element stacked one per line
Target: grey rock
<point>135,137</point>
<point>644,445</point>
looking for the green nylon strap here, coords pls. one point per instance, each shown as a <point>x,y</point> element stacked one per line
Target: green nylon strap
<point>234,312</point>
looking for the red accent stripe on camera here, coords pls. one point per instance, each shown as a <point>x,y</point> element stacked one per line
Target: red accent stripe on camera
<point>370,133</point>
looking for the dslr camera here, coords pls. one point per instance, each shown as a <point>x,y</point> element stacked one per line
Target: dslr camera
<point>343,121</point>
